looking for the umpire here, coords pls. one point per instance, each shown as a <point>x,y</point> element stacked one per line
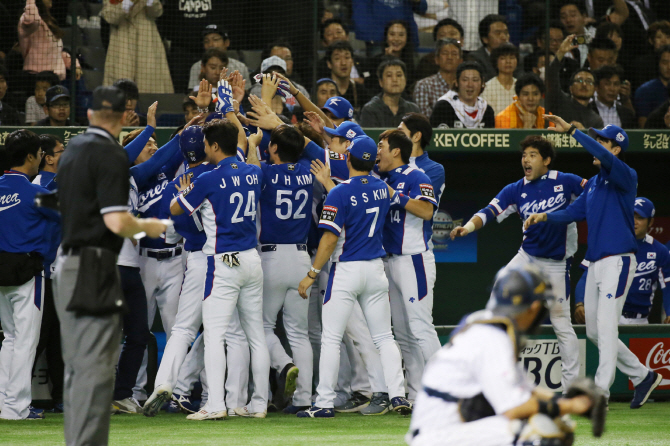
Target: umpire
<point>93,189</point>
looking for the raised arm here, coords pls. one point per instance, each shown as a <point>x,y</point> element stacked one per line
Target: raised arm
<point>135,147</point>
<point>30,19</point>
<point>115,13</point>
<point>305,103</point>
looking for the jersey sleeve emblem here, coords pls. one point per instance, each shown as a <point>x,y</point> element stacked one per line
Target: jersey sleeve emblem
<point>427,190</point>
<point>291,167</point>
<point>364,181</point>
<point>234,165</point>
<point>335,155</point>
<point>558,188</point>
<point>329,213</point>
<point>187,190</point>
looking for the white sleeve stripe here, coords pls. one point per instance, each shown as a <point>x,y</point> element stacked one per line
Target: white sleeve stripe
<point>331,224</point>
<point>185,203</point>
<point>482,216</point>
<point>109,209</point>
<point>498,208</point>
<point>424,198</point>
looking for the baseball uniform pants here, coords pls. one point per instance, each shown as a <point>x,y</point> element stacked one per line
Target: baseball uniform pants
<point>50,342</point>
<point>489,431</point>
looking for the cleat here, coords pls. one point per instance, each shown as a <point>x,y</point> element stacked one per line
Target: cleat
<point>287,379</point>
<point>292,410</point>
<point>172,407</point>
<point>244,412</point>
<point>204,414</point>
<point>644,389</point>
<point>185,403</point>
<point>128,405</point>
<point>35,414</point>
<point>316,412</point>
<point>58,408</point>
<point>160,395</point>
<point>357,402</point>
<point>379,404</point>
<point>401,405</point>
<point>231,413</point>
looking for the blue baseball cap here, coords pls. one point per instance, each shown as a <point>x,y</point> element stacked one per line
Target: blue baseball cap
<point>613,132</point>
<point>348,130</point>
<point>215,115</point>
<point>644,207</point>
<point>192,144</point>
<point>363,148</point>
<point>339,107</point>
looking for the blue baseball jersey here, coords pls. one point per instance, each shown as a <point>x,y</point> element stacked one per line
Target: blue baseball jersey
<point>336,161</point>
<point>227,197</point>
<point>404,232</point>
<point>188,226</point>
<point>45,179</point>
<point>355,211</point>
<point>25,227</point>
<point>653,270</point>
<point>149,205</point>
<point>286,203</point>
<point>549,193</point>
<point>434,171</point>
<point>607,205</point>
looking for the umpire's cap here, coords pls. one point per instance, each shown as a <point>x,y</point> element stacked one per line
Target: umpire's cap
<point>192,144</point>
<point>516,288</point>
<point>109,98</point>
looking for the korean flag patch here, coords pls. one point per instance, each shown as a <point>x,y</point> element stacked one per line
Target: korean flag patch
<point>329,213</point>
<point>558,188</point>
<point>651,255</point>
<point>427,190</point>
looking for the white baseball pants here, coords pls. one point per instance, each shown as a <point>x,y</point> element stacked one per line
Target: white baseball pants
<point>489,431</point>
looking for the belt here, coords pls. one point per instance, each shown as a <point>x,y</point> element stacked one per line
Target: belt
<point>270,248</point>
<point>160,254</point>
<point>633,315</point>
<point>441,395</point>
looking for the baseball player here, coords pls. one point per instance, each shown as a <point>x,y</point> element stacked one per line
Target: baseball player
<point>548,246</point>
<point>354,212</point>
<point>227,199</point>
<point>474,390</point>
<point>607,206</point>
<point>653,263</point>
<point>24,244</point>
<point>407,232</point>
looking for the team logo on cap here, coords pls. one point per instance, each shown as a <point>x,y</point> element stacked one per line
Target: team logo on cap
<point>366,156</point>
<point>350,134</point>
<point>334,101</point>
<point>619,137</point>
<point>351,112</point>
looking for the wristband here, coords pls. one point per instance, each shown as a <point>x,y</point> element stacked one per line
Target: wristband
<point>572,127</point>
<point>470,226</point>
<point>579,304</point>
<point>400,199</point>
<point>314,270</point>
<point>550,408</point>
<point>313,278</point>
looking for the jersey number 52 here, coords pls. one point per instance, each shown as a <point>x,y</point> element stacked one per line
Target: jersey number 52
<point>284,198</point>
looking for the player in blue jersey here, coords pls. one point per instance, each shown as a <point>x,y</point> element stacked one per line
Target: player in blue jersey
<point>353,219</point>
<point>548,246</point>
<point>227,198</point>
<point>411,264</point>
<point>607,206</point>
<point>52,146</point>
<point>653,268</point>
<point>417,128</point>
<point>25,242</point>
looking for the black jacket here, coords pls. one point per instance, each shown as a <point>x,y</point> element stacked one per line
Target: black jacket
<point>627,116</point>
<point>8,115</point>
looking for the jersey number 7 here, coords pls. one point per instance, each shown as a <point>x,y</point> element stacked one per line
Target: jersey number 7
<point>374,210</point>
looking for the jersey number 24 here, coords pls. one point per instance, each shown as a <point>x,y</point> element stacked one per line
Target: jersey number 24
<point>249,209</point>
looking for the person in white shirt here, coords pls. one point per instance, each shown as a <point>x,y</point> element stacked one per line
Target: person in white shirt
<point>499,91</point>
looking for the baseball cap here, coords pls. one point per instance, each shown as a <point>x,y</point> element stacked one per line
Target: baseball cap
<point>215,115</point>
<point>347,129</point>
<point>57,92</point>
<point>644,207</point>
<point>273,61</point>
<point>363,148</point>
<point>192,143</point>
<point>613,132</point>
<point>109,98</point>
<point>339,107</point>
<point>215,29</point>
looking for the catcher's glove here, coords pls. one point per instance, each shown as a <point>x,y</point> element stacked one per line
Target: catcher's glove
<point>598,411</point>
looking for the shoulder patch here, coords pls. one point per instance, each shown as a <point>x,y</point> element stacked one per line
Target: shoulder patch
<point>234,165</point>
<point>583,183</point>
<point>161,176</point>
<point>187,190</point>
<point>329,213</point>
<point>335,155</point>
<point>291,167</point>
<point>427,190</point>
<point>364,180</point>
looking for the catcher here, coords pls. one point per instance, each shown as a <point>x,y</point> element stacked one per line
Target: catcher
<point>476,393</point>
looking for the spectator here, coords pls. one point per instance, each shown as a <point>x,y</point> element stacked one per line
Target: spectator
<point>573,106</point>
<point>339,58</point>
<point>659,118</point>
<point>41,42</point>
<point>556,36</point>
<point>214,36</point>
<point>653,93</point>
<point>463,107</point>
<point>190,109</point>
<point>445,29</point>
<point>332,30</point>
<point>601,52</point>
<point>449,55</point>
<point>133,118</point>
<point>35,103</point>
<point>537,63</point>
<point>8,116</point>
<point>470,13</point>
<point>608,81</point>
<point>612,31</point>
<point>658,36</point>
<point>574,18</point>
<point>370,16</point>
<point>525,112</point>
<point>275,64</point>
<point>387,108</point>
<point>397,45</point>
<point>493,32</point>
<point>136,50</point>
<point>499,92</point>
<point>326,88</point>
<point>213,61</point>
<point>57,108</point>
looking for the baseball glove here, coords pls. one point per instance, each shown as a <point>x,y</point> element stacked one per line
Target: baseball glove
<point>598,411</point>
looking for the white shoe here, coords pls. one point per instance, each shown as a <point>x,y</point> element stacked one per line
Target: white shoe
<point>128,405</point>
<point>203,414</point>
<point>231,413</point>
<point>244,412</point>
<point>160,396</point>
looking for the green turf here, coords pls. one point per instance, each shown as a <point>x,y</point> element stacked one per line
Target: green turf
<point>647,426</point>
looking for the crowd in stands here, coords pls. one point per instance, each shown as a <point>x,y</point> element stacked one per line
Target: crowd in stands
<point>608,61</point>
